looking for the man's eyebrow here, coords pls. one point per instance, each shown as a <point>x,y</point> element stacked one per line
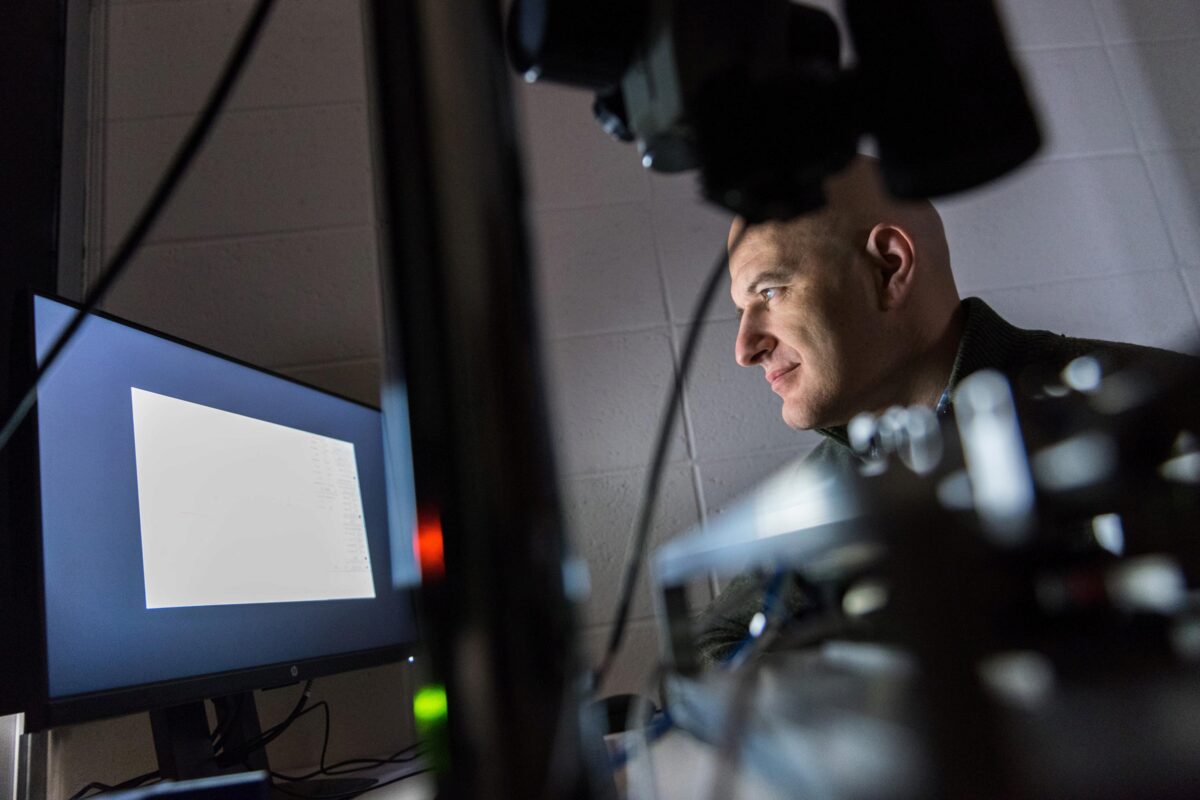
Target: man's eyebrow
<point>771,275</point>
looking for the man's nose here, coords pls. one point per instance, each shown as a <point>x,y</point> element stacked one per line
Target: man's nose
<point>753,344</point>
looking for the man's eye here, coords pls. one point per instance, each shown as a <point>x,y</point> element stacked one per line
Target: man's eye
<point>769,294</point>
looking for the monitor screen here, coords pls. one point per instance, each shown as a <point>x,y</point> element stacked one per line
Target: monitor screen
<point>200,516</point>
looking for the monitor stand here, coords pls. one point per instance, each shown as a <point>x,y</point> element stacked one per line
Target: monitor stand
<point>183,744</point>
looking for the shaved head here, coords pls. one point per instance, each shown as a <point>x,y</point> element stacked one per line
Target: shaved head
<point>857,201</point>
<point>851,308</point>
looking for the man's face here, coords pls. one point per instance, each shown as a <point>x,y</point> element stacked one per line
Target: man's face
<point>809,318</point>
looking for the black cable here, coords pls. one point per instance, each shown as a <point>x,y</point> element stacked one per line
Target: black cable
<point>298,711</point>
<point>101,788</point>
<point>633,564</point>
<point>356,792</point>
<point>324,745</point>
<point>221,732</point>
<point>151,211</point>
<point>333,770</point>
<point>371,763</point>
<point>342,767</point>
<point>220,754</point>
<point>229,757</point>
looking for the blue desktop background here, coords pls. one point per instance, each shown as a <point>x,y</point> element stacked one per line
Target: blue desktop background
<point>100,636</point>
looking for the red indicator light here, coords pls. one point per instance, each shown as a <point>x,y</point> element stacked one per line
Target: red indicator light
<point>430,552</point>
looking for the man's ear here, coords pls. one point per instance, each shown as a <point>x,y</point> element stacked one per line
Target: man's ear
<point>895,256</point>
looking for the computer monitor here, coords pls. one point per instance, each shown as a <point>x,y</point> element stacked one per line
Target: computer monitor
<point>204,527</point>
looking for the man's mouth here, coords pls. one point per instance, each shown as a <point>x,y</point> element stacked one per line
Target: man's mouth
<point>777,375</point>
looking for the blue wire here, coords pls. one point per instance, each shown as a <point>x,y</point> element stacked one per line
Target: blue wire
<point>663,723</point>
<point>770,598</point>
<point>656,730</point>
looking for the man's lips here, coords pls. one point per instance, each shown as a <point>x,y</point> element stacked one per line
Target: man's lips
<point>776,375</point>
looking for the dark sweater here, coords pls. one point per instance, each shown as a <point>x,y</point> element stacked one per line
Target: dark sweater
<point>988,342</point>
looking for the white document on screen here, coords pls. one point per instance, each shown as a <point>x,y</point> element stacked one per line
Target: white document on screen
<point>237,510</point>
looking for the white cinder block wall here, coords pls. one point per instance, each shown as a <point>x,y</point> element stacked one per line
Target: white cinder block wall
<point>268,254</point>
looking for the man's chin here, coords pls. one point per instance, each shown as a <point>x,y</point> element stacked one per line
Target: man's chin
<point>807,416</point>
<point>800,419</point>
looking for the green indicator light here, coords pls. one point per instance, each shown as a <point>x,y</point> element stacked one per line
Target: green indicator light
<point>429,704</point>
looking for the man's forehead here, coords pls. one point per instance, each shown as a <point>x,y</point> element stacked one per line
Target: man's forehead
<point>758,252</point>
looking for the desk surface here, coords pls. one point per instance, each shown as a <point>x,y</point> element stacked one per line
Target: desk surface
<point>418,787</point>
<point>682,768</point>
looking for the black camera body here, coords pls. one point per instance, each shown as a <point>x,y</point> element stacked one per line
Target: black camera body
<point>755,96</point>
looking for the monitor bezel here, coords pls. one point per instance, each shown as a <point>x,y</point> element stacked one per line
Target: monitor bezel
<point>43,711</point>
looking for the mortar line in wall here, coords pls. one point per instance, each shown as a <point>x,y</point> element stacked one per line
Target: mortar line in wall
<point>148,2</point>
<point>1020,50</point>
<point>708,320</point>
<point>380,255</point>
<point>1053,158</point>
<point>1150,40</point>
<point>627,551</point>
<point>536,207</point>
<point>374,153</point>
<point>1103,41</point>
<point>233,111</point>
<point>1193,297</point>
<point>685,409</point>
<point>673,338</point>
<point>617,471</point>
<point>594,626</point>
<point>762,451</point>
<point>689,425</point>
<point>1158,202</point>
<point>968,290</point>
<point>337,362</point>
<point>647,328</point>
<point>1178,148</point>
<point>233,238</point>
<point>714,586</point>
<point>1099,155</point>
<point>95,212</point>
